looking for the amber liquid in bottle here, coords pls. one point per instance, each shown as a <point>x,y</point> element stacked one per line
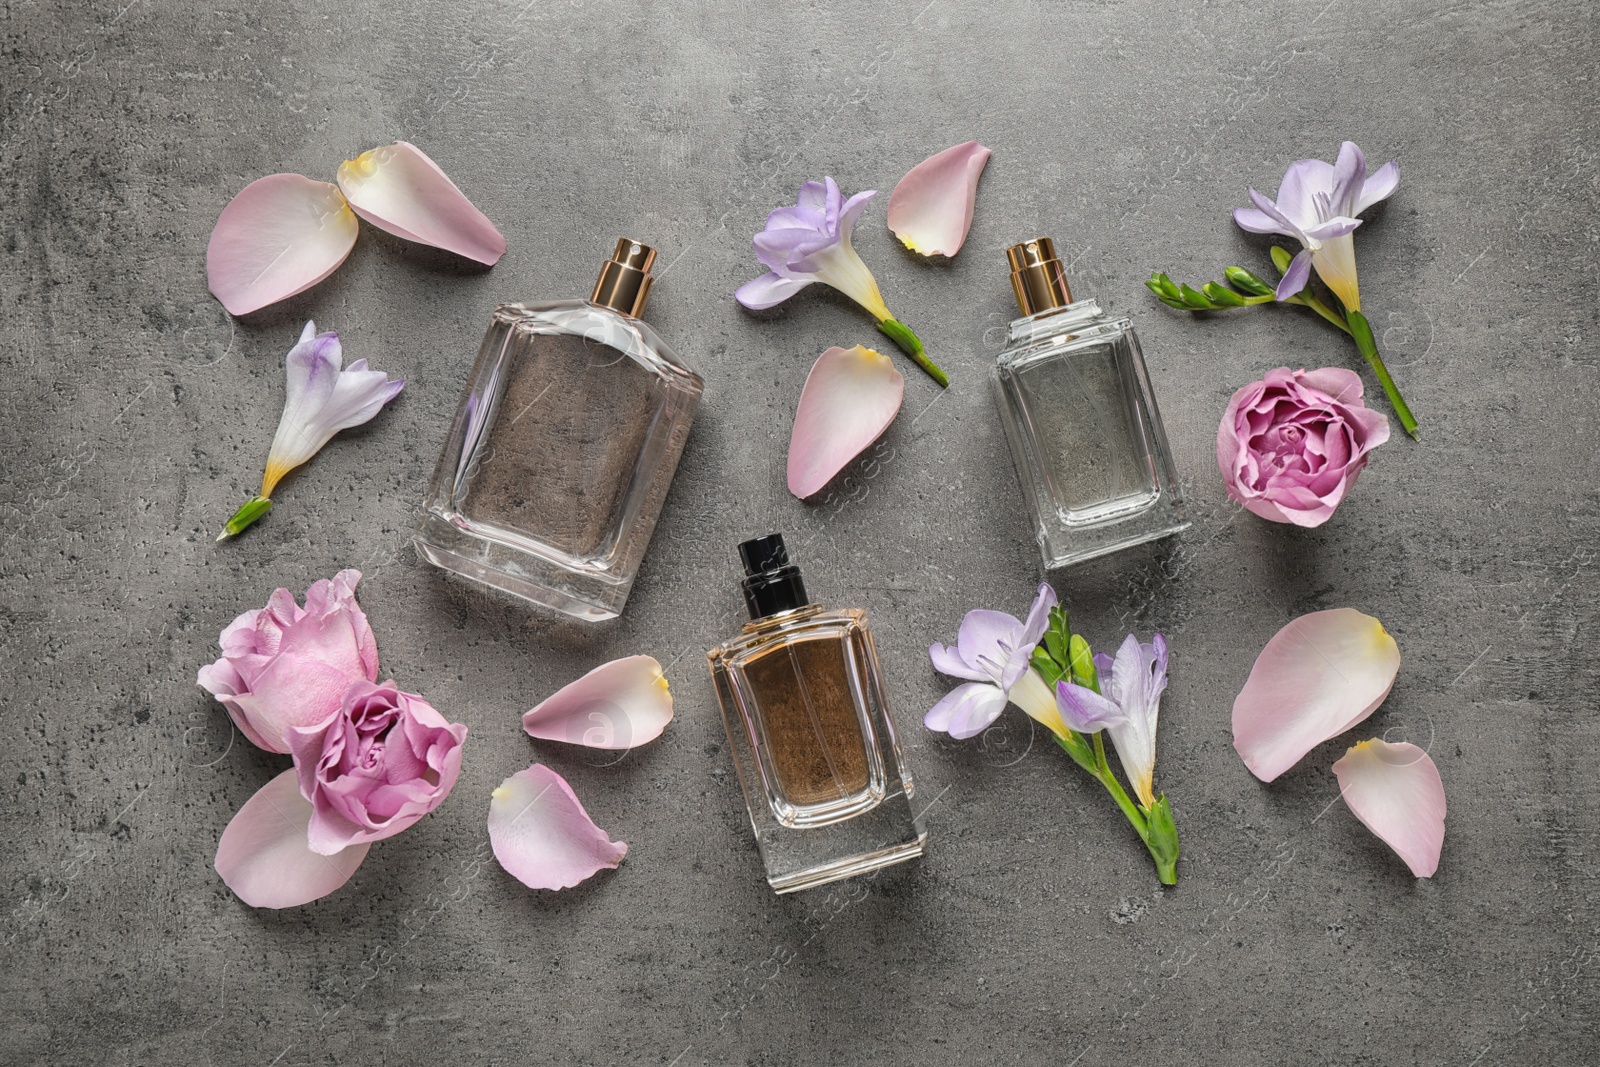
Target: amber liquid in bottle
<point>803,701</point>
<point>813,733</point>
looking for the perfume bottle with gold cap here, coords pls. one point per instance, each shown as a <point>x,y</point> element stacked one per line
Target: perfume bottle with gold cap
<point>563,447</point>
<point>1081,419</point>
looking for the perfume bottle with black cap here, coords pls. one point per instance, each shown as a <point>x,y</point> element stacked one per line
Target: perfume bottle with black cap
<point>808,721</point>
<point>1081,419</point>
<point>563,447</point>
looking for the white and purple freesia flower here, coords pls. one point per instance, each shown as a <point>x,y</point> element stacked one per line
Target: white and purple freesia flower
<point>995,651</point>
<point>1127,707</point>
<point>324,397</point>
<point>810,242</point>
<point>1318,205</point>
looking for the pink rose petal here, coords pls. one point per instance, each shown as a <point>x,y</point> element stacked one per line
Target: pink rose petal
<point>617,705</point>
<point>542,836</point>
<point>399,189</point>
<point>931,209</point>
<point>293,691</point>
<point>1396,792</point>
<point>850,398</point>
<point>280,236</point>
<point>284,665</point>
<point>1317,677</point>
<point>263,855</point>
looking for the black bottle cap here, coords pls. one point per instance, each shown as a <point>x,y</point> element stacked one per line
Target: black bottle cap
<point>772,584</point>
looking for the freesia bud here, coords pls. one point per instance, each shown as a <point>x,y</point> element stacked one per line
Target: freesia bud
<point>1083,668</point>
<point>1222,295</point>
<point>1246,282</point>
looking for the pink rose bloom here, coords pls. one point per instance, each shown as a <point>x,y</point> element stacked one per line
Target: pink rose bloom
<point>284,665</point>
<point>374,768</point>
<point>1290,446</point>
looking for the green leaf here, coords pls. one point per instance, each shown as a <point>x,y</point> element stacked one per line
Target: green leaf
<point>1195,300</point>
<point>1083,668</point>
<point>248,512</point>
<point>1246,282</point>
<point>1281,258</point>
<point>1222,296</point>
<point>1178,304</point>
<point>1161,838</point>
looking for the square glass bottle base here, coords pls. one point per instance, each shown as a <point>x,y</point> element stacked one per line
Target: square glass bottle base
<point>1063,544</point>
<point>565,586</point>
<point>799,858</point>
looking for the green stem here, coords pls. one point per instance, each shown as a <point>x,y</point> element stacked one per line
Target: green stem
<point>1361,331</point>
<point>1114,787</point>
<point>911,345</point>
<point>1163,845</point>
<point>1305,298</point>
<point>248,512</point>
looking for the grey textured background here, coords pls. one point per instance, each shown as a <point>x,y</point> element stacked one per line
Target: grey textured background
<point>137,415</point>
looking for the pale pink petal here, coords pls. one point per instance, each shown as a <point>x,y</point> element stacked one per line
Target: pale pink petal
<point>931,209</point>
<point>280,236</point>
<point>399,189</point>
<point>850,397</point>
<point>1396,792</point>
<point>617,705</point>
<point>1317,677</point>
<point>293,690</point>
<point>542,836</point>
<point>263,855</point>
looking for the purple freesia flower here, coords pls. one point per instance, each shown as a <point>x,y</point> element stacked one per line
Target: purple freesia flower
<point>810,242</point>
<point>995,651</point>
<point>1126,708</point>
<point>1318,204</point>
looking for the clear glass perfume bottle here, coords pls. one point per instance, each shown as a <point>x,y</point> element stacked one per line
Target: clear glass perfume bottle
<point>808,721</point>
<point>1081,420</point>
<point>563,447</point>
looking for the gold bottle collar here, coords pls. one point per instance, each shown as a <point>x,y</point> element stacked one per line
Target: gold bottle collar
<point>624,283</point>
<point>1037,277</point>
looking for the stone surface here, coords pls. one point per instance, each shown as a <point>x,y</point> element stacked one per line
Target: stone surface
<point>137,415</point>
